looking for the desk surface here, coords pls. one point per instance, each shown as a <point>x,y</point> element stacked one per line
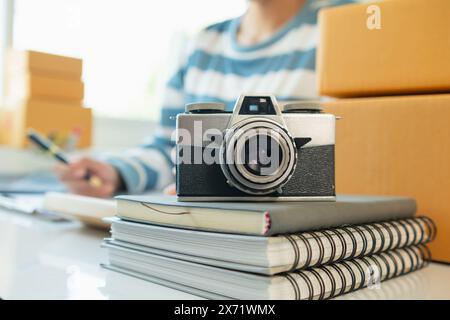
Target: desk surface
<point>60,260</point>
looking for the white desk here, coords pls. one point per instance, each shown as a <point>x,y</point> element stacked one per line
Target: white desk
<point>60,260</point>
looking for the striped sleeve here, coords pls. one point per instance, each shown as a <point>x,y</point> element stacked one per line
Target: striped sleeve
<point>150,167</point>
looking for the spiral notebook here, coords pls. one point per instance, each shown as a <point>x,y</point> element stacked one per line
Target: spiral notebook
<point>322,282</point>
<point>270,255</point>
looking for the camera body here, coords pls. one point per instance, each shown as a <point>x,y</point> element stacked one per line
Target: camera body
<point>258,152</point>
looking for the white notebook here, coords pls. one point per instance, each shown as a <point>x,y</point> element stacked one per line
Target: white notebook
<point>88,210</point>
<point>271,255</point>
<point>315,283</point>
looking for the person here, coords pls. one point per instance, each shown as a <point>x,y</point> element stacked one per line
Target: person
<point>270,49</point>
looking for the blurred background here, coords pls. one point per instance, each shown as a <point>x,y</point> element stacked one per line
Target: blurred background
<point>124,44</point>
<point>126,48</point>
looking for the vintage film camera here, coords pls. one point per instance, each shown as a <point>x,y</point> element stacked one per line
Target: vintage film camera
<point>258,152</point>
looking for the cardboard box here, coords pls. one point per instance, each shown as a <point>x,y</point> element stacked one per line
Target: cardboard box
<point>10,103</point>
<point>398,146</point>
<point>60,121</point>
<point>26,86</point>
<point>43,63</point>
<point>5,125</point>
<point>384,48</point>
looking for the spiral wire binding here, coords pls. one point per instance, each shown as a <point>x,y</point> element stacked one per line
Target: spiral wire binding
<point>334,238</point>
<point>394,247</point>
<point>392,289</point>
<point>416,258</point>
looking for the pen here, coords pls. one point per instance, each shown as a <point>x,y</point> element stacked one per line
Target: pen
<point>48,146</point>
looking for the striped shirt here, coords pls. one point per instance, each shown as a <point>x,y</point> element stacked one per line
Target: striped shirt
<point>217,69</point>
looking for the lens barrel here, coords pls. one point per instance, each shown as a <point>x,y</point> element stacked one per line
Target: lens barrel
<point>258,156</point>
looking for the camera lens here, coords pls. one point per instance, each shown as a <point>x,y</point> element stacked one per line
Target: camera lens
<point>258,156</point>
<point>262,155</point>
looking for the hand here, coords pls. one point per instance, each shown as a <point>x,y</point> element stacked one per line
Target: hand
<point>73,176</point>
<point>170,190</point>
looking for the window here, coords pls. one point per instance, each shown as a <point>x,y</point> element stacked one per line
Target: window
<point>6,9</point>
<point>126,45</point>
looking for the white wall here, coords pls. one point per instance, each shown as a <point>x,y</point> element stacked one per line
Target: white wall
<point>113,133</point>
<point>6,12</point>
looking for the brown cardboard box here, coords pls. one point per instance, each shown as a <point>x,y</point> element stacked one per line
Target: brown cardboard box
<point>43,63</point>
<point>8,125</point>
<point>47,119</point>
<point>12,103</point>
<point>25,86</point>
<point>398,146</point>
<point>5,125</point>
<point>408,54</point>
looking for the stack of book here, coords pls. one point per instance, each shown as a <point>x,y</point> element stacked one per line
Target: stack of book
<point>283,250</point>
<point>45,92</point>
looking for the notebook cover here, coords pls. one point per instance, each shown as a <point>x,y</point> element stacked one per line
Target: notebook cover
<point>290,217</point>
